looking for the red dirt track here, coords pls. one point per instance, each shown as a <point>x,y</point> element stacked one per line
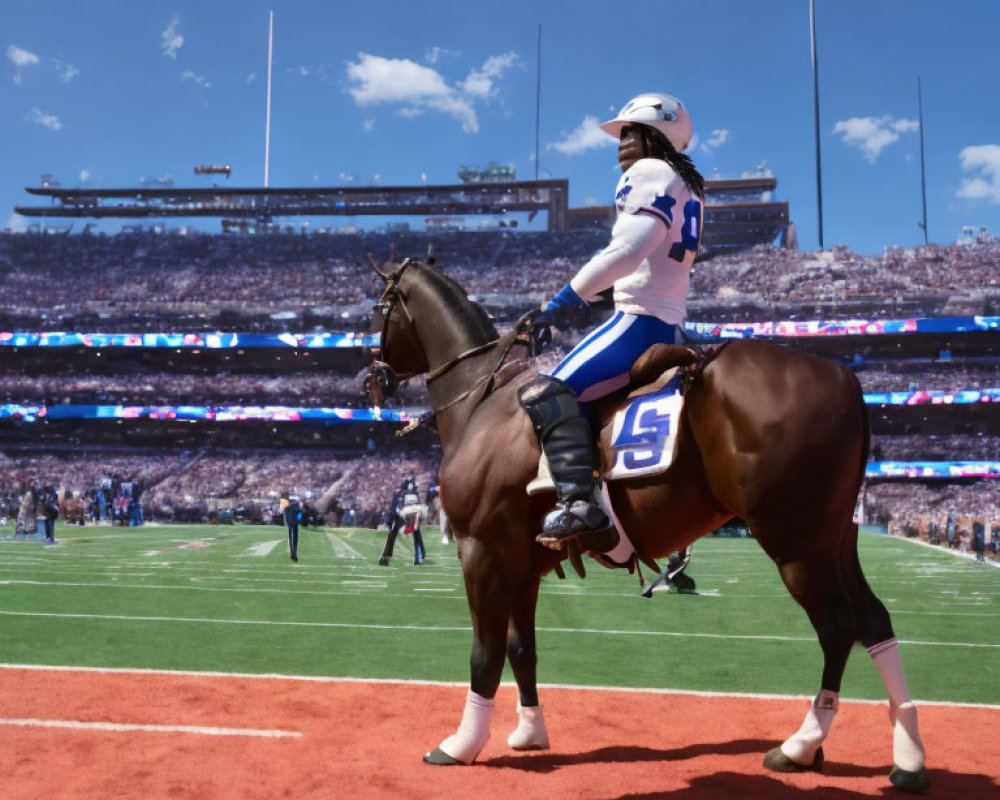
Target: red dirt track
<point>363,740</point>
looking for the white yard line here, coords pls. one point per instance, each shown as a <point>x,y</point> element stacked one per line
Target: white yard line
<point>460,628</point>
<point>263,548</point>
<point>456,684</point>
<point>342,549</point>
<point>122,727</point>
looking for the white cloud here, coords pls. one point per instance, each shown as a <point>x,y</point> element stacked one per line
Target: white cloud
<point>480,82</point>
<point>84,175</point>
<point>587,136</point>
<point>170,40</point>
<point>251,77</point>
<point>66,71</point>
<point>21,58</point>
<point>434,54</point>
<point>717,138</point>
<point>393,80</point>
<point>873,134</point>
<point>200,80</point>
<point>986,159</point>
<point>369,123</point>
<point>17,223</point>
<point>46,120</point>
<point>376,80</point>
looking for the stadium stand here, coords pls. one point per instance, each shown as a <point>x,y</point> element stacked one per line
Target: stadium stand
<point>147,282</point>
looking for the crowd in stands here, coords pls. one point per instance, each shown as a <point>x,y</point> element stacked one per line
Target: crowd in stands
<point>942,376</point>
<point>194,487</point>
<point>308,389</point>
<point>953,447</point>
<point>153,281</point>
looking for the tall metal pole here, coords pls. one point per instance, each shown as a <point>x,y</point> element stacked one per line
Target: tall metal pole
<point>923,183</point>
<point>538,97</point>
<point>815,68</point>
<point>267,123</point>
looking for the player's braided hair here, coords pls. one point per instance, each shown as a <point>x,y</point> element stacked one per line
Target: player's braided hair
<point>658,146</point>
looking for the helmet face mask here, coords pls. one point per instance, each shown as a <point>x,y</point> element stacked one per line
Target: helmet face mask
<point>661,112</point>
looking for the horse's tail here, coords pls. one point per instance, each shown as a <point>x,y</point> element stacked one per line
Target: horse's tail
<point>866,429</point>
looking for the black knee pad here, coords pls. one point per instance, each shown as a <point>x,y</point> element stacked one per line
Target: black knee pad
<point>548,402</point>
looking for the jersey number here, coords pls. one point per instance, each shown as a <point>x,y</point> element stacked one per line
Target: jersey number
<point>690,231</point>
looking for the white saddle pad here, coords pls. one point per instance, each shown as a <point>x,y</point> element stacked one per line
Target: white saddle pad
<point>643,435</point>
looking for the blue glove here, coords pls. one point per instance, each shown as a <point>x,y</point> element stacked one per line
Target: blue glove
<point>564,308</point>
<point>566,300</point>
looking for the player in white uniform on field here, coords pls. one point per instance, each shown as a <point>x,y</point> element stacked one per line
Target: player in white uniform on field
<point>654,241</point>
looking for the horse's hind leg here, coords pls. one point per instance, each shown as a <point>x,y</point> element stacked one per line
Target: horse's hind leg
<point>876,634</point>
<point>530,733</point>
<point>817,585</point>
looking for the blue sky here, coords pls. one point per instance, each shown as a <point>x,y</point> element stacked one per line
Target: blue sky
<point>104,93</point>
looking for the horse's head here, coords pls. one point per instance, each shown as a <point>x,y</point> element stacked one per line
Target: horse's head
<point>401,349</point>
<point>427,322</point>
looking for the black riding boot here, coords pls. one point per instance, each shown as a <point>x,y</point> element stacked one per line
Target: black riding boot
<point>568,444</point>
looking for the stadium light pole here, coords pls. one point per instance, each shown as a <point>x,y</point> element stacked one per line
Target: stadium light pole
<point>538,98</point>
<point>923,183</point>
<point>815,70</point>
<point>267,119</point>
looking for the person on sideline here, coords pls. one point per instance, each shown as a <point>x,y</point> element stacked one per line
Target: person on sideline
<point>293,514</point>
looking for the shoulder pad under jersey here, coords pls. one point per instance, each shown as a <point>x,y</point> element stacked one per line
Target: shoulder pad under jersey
<point>645,187</point>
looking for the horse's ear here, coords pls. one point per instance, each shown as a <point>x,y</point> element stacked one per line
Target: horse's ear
<point>375,266</point>
<point>430,255</point>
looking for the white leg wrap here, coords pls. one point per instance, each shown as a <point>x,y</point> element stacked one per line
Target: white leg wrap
<point>802,745</point>
<point>465,743</point>
<point>530,733</point>
<point>907,749</point>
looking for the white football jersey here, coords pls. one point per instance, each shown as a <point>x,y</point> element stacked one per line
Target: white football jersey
<point>653,244</point>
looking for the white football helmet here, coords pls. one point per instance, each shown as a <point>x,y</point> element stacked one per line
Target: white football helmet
<point>659,111</point>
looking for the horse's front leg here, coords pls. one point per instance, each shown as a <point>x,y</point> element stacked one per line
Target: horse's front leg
<point>530,733</point>
<point>489,594</point>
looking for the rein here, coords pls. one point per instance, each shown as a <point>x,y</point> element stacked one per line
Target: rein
<point>437,373</point>
<point>392,298</point>
<point>482,387</point>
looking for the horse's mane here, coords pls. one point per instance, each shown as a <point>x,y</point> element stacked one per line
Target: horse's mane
<point>452,296</point>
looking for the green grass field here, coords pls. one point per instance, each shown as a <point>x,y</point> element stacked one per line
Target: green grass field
<point>227,598</point>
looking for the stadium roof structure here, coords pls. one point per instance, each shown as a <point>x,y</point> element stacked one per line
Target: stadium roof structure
<point>264,205</point>
<point>739,213</point>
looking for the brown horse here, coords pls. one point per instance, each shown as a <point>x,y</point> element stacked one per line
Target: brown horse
<point>769,434</point>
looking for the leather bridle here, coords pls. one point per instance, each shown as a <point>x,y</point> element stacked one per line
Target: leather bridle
<point>391,299</point>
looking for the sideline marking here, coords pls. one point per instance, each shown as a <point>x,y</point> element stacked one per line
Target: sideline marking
<point>463,684</point>
<point>129,728</point>
<point>956,553</point>
<point>461,628</point>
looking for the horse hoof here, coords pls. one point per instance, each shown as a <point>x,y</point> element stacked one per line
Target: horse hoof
<point>915,782</point>
<point>777,761</point>
<point>440,758</point>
